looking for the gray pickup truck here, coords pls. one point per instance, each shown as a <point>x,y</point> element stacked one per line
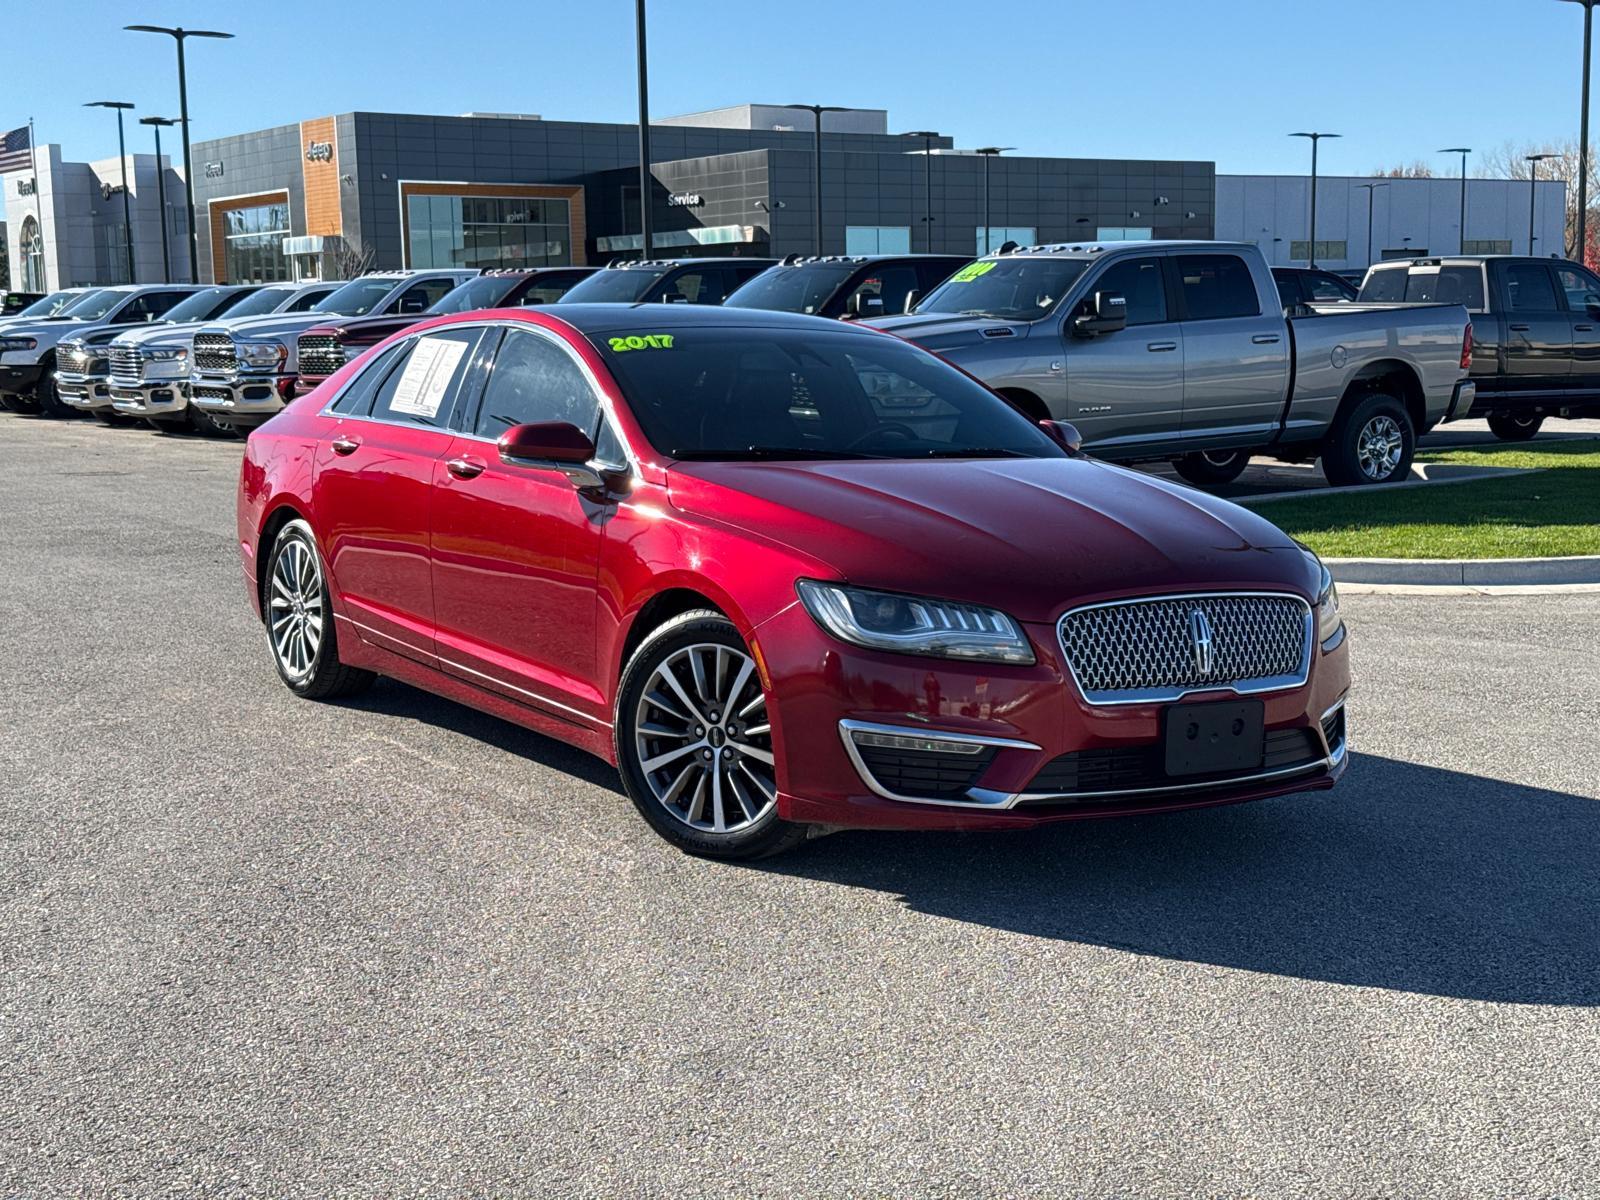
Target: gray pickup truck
<point>1183,351</point>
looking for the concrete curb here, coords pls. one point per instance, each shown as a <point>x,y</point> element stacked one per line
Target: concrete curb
<point>1467,572</point>
<point>1463,474</point>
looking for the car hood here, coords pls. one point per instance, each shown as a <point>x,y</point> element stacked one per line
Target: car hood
<point>941,332</point>
<point>1032,537</point>
<point>179,334</point>
<point>268,325</point>
<point>371,330</point>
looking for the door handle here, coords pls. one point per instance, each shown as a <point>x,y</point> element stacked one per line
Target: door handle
<point>1584,328</point>
<point>1264,339</point>
<point>1520,328</point>
<point>1158,346</point>
<point>465,467</point>
<point>345,445</point>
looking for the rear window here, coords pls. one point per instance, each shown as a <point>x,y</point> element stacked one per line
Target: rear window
<point>1384,287</point>
<point>1216,286</point>
<point>802,289</point>
<point>1447,285</point>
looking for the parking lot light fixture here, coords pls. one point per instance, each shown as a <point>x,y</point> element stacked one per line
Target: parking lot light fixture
<point>1311,243</point>
<point>927,136</point>
<point>1370,187</point>
<point>1583,136</point>
<point>816,110</point>
<point>988,152</point>
<point>1533,189</point>
<point>178,34</point>
<point>156,124</point>
<point>646,190</point>
<point>1463,151</point>
<point>122,153</point>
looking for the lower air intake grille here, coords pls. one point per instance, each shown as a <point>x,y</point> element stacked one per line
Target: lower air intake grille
<point>923,774</point>
<point>1137,768</point>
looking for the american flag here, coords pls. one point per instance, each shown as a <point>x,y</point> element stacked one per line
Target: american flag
<point>14,154</point>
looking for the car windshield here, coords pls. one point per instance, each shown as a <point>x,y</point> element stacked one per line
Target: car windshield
<point>201,306</point>
<point>52,305</point>
<point>1010,288</point>
<point>356,298</point>
<point>614,287</point>
<point>260,302</point>
<point>484,292</point>
<point>94,305</point>
<point>752,394</point>
<point>803,289</point>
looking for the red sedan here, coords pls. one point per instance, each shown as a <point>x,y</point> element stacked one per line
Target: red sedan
<point>787,575</point>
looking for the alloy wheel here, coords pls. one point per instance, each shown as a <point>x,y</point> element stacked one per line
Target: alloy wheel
<point>704,741</point>
<point>295,606</point>
<point>1379,447</point>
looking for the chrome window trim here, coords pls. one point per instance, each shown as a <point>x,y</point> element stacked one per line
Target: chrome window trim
<point>847,727</point>
<point>327,409</point>
<point>1166,695</point>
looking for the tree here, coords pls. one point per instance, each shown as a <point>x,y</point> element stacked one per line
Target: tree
<point>1411,170</point>
<point>353,261</point>
<point>1510,161</point>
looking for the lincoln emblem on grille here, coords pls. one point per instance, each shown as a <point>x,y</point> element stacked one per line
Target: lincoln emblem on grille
<point>1205,654</point>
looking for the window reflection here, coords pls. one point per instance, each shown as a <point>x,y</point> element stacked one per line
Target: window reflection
<point>489,231</point>
<point>254,244</point>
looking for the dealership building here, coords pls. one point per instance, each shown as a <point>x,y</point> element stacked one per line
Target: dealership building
<point>331,196</point>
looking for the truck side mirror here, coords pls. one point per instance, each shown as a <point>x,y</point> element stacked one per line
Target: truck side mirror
<point>1104,312</point>
<point>911,300</point>
<point>861,306</point>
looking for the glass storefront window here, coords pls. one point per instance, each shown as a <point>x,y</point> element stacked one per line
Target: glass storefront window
<point>254,238</point>
<point>877,239</point>
<point>489,231</point>
<point>999,235</point>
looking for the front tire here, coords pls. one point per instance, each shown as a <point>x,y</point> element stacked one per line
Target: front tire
<point>1372,441</point>
<point>207,425</point>
<point>299,620</point>
<point>1211,468</point>
<point>694,741</point>
<point>167,426</point>
<point>1516,428</point>
<point>49,400</point>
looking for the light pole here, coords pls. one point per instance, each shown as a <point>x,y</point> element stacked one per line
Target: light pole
<point>927,136</point>
<point>122,153</point>
<point>988,152</point>
<point>817,110</point>
<point>178,34</point>
<point>1370,187</point>
<point>161,195</point>
<point>1583,137</point>
<point>1533,189</point>
<point>646,182</point>
<point>1311,246</point>
<point>1463,151</point>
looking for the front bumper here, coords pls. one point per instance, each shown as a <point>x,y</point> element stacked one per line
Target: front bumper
<point>157,398</point>
<point>88,393</point>
<point>19,379</point>
<point>1039,737</point>
<point>243,399</point>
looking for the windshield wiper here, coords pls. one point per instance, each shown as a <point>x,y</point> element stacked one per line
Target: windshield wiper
<point>764,453</point>
<point>976,452</point>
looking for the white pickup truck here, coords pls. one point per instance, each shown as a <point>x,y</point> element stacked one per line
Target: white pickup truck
<point>1181,350</point>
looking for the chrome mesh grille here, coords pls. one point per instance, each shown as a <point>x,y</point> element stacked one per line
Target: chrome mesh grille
<point>71,358</point>
<point>214,352</point>
<point>126,365</point>
<point>1143,649</point>
<point>320,354</point>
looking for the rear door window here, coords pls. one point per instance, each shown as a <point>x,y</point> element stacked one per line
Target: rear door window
<point>1215,287</point>
<point>534,379</point>
<point>1139,280</point>
<point>423,384</point>
<point>356,399</point>
<point>1528,288</point>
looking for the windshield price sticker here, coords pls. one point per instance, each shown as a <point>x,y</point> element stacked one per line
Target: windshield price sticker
<point>650,341</point>
<point>427,375</point>
<point>971,271</point>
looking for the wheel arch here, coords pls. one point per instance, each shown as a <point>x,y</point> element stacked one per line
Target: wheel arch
<point>657,611</point>
<point>1394,377</point>
<point>280,515</point>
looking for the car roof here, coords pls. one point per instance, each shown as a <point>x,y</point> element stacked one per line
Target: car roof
<point>647,318</point>
<point>635,264</point>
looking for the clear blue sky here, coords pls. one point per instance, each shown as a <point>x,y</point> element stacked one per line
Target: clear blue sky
<point>1222,80</point>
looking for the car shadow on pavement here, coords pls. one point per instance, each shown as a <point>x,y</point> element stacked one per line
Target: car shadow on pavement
<point>1404,877</point>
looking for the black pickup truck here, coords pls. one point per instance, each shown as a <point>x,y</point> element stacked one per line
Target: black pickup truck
<point>1535,331</point>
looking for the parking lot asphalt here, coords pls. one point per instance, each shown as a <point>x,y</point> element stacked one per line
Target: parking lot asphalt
<point>255,946</point>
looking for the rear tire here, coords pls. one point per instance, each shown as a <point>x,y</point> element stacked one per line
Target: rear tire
<point>298,615</point>
<point>694,742</point>
<point>1211,468</point>
<point>1372,441</point>
<point>1515,428</point>
<point>207,425</point>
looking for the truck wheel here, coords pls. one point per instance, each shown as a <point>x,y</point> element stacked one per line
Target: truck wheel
<point>19,404</point>
<point>49,400</point>
<point>1210,468</point>
<point>1518,428</point>
<point>1372,441</point>
<point>113,417</point>
<point>167,425</point>
<point>207,425</point>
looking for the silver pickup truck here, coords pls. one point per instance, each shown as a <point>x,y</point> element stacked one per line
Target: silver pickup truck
<point>1181,351</point>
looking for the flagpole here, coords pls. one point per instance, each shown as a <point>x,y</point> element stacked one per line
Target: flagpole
<point>38,211</point>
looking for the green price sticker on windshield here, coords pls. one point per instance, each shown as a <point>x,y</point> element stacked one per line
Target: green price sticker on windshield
<point>650,341</point>
<point>971,271</point>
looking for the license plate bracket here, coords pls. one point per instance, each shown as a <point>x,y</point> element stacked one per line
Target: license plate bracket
<point>1202,739</point>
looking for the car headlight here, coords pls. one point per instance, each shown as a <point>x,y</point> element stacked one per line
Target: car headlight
<point>261,354</point>
<point>914,624</point>
<point>17,343</point>
<point>1328,620</point>
<point>163,353</point>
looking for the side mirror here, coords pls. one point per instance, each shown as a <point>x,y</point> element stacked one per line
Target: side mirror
<point>552,446</point>
<point>1106,312</point>
<point>911,300</point>
<point>1064,435</point>
<point>861,306</point>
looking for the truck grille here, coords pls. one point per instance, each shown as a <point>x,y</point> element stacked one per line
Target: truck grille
<point>320,354</point>
<point>72,359</point>
<point>126,364</point>
<point>214,352</point>
<point>1144,650</point>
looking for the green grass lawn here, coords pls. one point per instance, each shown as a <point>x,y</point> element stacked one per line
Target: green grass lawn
<point>1555,512</point>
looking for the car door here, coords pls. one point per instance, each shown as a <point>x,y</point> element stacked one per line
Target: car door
<point>516,548</point>
<point>373,486</point>
<point>1581,291</point>
<point>1125,389</point>
<point>1235,359</point>
<point>1538,350</point>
